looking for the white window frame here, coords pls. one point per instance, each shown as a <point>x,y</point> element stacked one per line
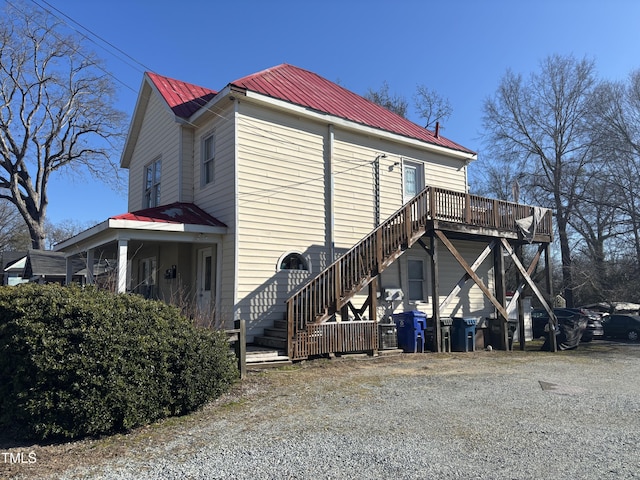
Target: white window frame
<point>208,162</point>
<point>152,181</point>
<point>418,168</point>
<point>422,280</point>
<point>303,258</point>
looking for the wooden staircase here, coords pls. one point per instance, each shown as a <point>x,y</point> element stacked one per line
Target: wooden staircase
<point>308,310</point>
<point>274,337</point>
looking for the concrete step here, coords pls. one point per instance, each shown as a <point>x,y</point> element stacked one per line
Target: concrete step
<point>272,342</point>
<point>264,357</point>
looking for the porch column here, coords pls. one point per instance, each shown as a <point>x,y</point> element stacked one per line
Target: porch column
<point>122,266</point>
<point>90,258</point>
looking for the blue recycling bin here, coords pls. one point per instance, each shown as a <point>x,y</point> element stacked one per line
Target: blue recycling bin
<point>463,335</point>
<point>411,328</point>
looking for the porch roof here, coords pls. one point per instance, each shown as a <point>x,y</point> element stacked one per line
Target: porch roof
<point>185,213</point>
<point>174,222</point>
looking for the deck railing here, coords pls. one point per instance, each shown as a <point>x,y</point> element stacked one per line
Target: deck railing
<point>328,292</point>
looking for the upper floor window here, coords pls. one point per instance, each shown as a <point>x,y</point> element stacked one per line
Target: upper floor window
<point>208,156</point>
<point>152,175</point>
<point>412,179</point>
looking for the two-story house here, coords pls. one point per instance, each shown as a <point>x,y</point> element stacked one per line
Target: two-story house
<point>279,198</point>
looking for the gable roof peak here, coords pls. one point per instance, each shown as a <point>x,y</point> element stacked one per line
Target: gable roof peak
<point>183,98</point>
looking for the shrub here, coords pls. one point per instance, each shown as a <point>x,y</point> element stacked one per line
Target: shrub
<point>77,362</point>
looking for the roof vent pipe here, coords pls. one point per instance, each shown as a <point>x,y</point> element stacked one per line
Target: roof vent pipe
<point>437,129</point>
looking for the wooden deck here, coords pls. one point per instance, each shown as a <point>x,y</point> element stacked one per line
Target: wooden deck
<point>309,332</point>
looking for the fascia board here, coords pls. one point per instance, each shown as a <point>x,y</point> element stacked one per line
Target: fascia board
<point>164,227</point>
<point>82,236</point>
<point>211,106</point>
<point>136,120</point>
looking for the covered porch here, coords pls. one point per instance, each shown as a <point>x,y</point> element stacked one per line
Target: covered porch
<point>173,253</point>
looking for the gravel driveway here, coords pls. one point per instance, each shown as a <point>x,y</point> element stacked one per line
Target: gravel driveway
<point>485,415</point>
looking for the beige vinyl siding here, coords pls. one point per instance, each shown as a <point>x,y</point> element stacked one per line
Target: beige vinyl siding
<point>218,197</point>
<point>187,186</point>
<point>280,208</point>
<point>354,181</point>
<point>469,302</point>
<point>159,138</point>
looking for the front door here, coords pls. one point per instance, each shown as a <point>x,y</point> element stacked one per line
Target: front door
<point>205,286</point>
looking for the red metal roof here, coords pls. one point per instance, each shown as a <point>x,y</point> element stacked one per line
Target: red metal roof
<point>307,89</point>
<point>184,98</point>
<point>186,213</point>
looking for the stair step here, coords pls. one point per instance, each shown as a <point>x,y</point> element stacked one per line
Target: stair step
<point>275,332</point>
<point>280,324</point>
<point>257,354</point>
<point>265,357</point>
<point>273,342</point>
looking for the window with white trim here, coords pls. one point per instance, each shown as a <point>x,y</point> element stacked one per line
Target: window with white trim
<point>416,276</point>
<point>152,175</point>
<point>208,157</point>
<point>293,261</point>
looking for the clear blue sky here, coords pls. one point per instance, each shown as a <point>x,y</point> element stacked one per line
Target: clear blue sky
<point>460,48</point>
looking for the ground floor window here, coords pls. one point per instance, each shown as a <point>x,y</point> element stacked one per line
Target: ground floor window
<point>416,276</point>
<point>293,261</point>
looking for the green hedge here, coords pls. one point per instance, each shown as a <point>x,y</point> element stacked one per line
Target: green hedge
<point>82,362</point>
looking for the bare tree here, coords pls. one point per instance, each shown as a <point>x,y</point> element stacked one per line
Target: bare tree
<point>64,230</point>
<point>431,106</point>
<point>540,125</point>
<point>56,113</point>
<point>13,234</point>
<point>615,124</point>
<point>382,97</point>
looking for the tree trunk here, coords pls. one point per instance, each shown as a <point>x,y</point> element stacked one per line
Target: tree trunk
<point>565,251</point>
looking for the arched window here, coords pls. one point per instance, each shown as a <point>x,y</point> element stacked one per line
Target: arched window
<point>293,261</point>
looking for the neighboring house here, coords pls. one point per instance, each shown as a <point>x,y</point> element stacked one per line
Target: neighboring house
<point>240,197</point>
<point>40,266</point>
<point>13,267</point>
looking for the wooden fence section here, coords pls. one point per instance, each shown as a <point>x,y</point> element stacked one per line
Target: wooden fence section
<point>344,337</point>
<point>332,289</point>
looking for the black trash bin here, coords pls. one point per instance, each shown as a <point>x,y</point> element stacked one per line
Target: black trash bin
<point>464,334</point>
<point>495,332</point>
<point>411,330</point>
<point>445,338</point>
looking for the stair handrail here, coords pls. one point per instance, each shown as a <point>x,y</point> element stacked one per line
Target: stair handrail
<point>331,289</point>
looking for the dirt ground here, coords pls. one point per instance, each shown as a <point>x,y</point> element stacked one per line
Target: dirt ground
<point>32,461</point>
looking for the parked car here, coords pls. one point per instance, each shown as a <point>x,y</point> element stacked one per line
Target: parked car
<point>594,328</point>
<point>622,326</point>
<point>594,324</point>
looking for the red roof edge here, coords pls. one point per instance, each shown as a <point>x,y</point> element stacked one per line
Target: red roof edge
<point>179,212</point>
